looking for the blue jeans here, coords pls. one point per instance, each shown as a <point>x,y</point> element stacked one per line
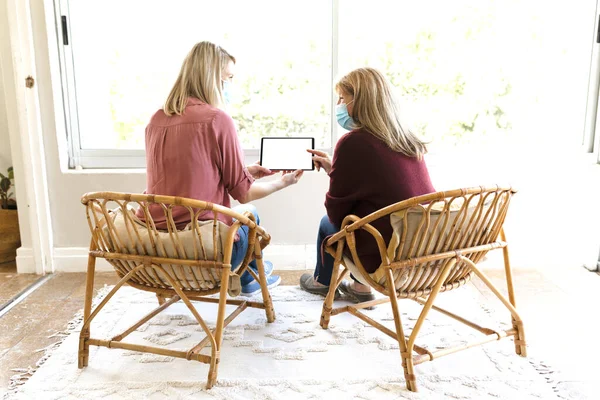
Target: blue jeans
<point>324,267</point>
<point>241,246</point>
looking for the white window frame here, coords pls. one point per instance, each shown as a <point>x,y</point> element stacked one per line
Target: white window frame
<point>136,158</point>
<point>591,134</point>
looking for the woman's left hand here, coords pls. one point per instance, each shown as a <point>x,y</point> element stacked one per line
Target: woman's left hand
<point>258,171</point>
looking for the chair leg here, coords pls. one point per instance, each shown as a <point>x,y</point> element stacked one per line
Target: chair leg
<point>267,301</point>
<point>328,303</point>
<point>84,335</point>
<point>405,355</point>
<point>88,314</point>
<point>214,347</point>
<point>409,373</point>
<point>161,299</point>
<point>520,343</point>
<point>220,326</point>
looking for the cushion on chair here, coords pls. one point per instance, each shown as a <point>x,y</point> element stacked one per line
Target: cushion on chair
<point>415,215</point>
<point>401,276</point>
<point>378,276</point>
<point>127,241</point>
<point>433,236</point>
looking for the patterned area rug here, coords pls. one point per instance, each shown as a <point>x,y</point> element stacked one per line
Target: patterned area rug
<point>292,358</point>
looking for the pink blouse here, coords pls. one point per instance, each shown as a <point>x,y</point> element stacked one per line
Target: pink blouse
<point>195,155</point>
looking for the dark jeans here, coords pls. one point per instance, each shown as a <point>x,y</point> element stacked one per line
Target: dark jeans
<point>241,246</point>
<point>324,267</point>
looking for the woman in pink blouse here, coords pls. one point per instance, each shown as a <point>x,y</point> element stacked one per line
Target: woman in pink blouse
<point>193,151</point>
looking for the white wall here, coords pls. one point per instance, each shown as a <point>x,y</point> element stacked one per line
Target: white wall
<point>552,223</point>
<point>11,154</point>
<point>554,220</point>
<point>5,157</point>
<point>291,216</point>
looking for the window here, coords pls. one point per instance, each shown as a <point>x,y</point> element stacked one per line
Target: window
<point>123,57</point>
<point>466,71</point>
<point>473,72</point>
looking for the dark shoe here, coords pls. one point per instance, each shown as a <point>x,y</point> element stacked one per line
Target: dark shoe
<point>307,283</point>
<point>357,297</point>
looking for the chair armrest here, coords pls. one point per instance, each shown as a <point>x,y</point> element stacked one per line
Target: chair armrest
<point>264,237</point>
<point>335,238</point>
<point>381,246</point>
<point>257,232</point>
<point>342,232</point>
<point>261,233</point>
<point>347,234</point>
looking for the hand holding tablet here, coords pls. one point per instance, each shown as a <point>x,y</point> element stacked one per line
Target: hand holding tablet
<point>287,153</point>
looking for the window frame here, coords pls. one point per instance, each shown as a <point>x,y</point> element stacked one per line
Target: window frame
<point>591,136</point>
<point>79,158</point>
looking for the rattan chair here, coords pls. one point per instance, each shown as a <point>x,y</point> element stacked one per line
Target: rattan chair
<point>174,264</point>
<point>438,240</point>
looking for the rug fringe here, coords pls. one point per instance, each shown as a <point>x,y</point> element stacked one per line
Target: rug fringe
<point>548,372</point>
<point>550,375</point>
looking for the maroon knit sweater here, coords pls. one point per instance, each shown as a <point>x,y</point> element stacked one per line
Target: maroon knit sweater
<point>366,176</point>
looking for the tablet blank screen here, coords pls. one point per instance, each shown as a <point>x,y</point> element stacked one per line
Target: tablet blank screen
<point>286,153</point>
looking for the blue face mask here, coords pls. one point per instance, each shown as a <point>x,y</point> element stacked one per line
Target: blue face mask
<point>226,92</point>
<point>343,118</point>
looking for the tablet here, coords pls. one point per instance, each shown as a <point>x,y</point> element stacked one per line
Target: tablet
<point>287,153</point>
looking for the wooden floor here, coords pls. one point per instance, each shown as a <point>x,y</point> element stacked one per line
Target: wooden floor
<point>549,302</point>
<point>12,283</point>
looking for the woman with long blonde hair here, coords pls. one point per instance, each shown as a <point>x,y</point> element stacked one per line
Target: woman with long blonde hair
<point>193,151</point>
<point>378,163</point>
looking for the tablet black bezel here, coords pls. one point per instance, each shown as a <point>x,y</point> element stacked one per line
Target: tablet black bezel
<point>285,137</point>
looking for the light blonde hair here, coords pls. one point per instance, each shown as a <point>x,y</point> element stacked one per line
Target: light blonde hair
<point>376,110</point>
<point>200,77</point>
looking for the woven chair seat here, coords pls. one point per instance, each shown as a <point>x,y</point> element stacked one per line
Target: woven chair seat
<point>423,230</point>
<point>194,243</point>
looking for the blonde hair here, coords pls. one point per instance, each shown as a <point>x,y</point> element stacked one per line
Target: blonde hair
<point>376,110</point>
<point>200,77</point>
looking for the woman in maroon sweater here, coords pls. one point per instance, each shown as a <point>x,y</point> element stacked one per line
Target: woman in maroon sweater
<point>378,163</point>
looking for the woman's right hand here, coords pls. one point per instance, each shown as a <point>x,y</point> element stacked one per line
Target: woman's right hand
<point>291,178</point>
<point>321,160</point>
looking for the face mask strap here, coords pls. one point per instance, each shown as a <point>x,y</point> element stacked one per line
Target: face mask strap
<point>225,91</point>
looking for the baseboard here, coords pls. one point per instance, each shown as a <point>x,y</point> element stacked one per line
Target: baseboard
<point>292,256</point>
<point>74,259</point>
<point>25,261</point>
<point>284,257</point>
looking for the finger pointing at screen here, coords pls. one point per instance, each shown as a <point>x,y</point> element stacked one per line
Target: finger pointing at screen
<point>321,160</point>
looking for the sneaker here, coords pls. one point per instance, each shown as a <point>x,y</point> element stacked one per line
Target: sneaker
<point>307,283</point>
<point>268,268</point>
<point>253,287</point>
<point>246,278</point>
